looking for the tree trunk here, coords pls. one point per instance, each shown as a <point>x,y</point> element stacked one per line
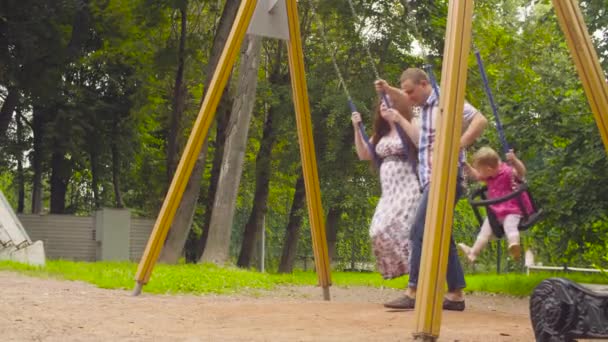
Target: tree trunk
<point>6,112</point>
<point>219,40</point>
<point>38,153</point>
<point>116,161</point>
<point>174,244</point>
<point>220,141</point>
<point>174,140</point>
<point>95,177</point>
<point>333,222</point>
<point>60,174</point>
<point>219,229</point>
<point>262,181</point>
<point>292,233</point>
<point>20,174</point>
<point>262,174</point>
<point>195,244</point>
<point>260,197</point>
<point>185,215</point>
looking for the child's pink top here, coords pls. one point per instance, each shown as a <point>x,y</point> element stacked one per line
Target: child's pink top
<point>503,184</point>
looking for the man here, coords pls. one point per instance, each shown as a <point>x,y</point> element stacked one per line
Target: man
<point>416,85</point>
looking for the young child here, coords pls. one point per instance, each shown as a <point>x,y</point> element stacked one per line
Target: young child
<point>501,179</point>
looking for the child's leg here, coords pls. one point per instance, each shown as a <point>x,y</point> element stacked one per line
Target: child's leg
<point>484,236</point>
<point>511,224</point>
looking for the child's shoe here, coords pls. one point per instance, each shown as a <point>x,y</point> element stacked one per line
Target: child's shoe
<point>468,251</point>
<point>515,251</point>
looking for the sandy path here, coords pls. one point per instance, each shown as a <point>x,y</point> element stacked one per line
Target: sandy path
<point>34,309</point>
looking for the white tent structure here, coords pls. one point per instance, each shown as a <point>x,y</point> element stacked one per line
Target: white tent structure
<point>15,244</point>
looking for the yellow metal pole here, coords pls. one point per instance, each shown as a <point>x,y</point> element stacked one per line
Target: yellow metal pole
<point>587,63</point>
<point>438,229</point>
<point>195,141</point>
<point>307,148</point>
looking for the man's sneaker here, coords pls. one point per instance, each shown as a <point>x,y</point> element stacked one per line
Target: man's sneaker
<point>403,302</point>
<point>453,305</point>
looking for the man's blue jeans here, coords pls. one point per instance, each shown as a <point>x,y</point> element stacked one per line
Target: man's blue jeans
<point>455,274</point>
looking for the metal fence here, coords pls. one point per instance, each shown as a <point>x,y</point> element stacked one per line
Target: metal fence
<point>74,237</point>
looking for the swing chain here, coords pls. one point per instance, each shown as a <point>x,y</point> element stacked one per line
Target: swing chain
<point>368,53</point>
<point>332,53</point>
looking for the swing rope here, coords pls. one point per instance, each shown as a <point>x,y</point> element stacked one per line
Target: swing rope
<point>428,67</point>
<point>429,71</point>
<point>351,104</point>
<point>486,86</point>
<point>370,59</point>
<point>335,65</point>
<point>400,132</point>
<point>529,218</point>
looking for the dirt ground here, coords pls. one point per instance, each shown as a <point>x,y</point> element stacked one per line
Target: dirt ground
<point>33,309</point>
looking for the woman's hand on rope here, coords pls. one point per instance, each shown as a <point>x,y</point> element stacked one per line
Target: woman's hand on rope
<point>390,114</point>
<point>355,118</point>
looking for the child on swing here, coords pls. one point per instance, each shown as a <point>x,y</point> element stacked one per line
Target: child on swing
<point>501,179</point>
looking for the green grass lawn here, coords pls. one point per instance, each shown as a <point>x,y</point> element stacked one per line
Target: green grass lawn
<point>208,278</point>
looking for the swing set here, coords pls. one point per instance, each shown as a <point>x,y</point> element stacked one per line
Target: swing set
<point>479,198</point>
<point>409,147</point>
<point>279,19</point>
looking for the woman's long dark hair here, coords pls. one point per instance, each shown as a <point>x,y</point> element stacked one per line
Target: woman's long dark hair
<point>381,127</point>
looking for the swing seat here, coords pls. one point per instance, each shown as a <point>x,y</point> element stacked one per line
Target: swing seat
<point>479,198</point>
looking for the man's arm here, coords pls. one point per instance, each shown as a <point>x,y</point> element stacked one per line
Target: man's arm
<point>396,95</point>
<point>412,131</point>
<point>474,130</point>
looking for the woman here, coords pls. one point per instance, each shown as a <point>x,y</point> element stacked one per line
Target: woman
<point>390,227</point>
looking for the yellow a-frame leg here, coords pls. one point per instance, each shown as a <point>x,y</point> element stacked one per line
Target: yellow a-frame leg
<point>585,58</point>
<point>195,142</point>
<point>201,127</point>
<point>439,216</point>
<point>438,229</point>
<point>307,149</point>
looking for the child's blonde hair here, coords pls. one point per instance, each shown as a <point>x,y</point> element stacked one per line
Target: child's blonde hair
<point>486,156</point>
